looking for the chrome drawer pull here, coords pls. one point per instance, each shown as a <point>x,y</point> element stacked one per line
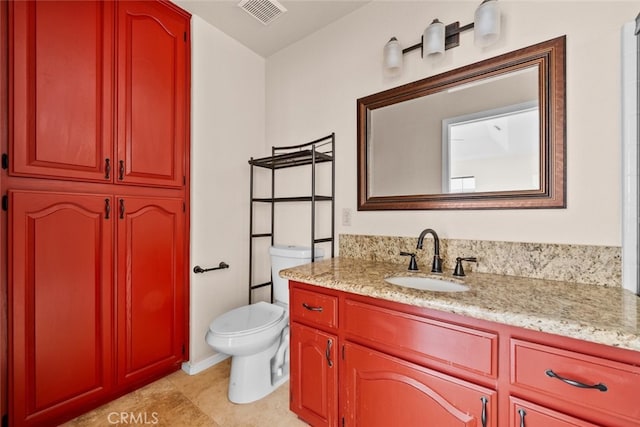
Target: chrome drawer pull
<point>522,413</point>
<point>310,307</point>
<point>575,383</point>
<point>483,417</point>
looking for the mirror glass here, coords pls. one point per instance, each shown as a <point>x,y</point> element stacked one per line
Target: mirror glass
<point>490,135</point>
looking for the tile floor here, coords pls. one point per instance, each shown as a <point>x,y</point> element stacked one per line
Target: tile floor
<point>182,400</point>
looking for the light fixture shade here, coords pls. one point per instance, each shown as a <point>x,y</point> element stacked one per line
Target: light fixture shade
<point>487,23</point>
<point>392,56</point>
<point>433,39</point>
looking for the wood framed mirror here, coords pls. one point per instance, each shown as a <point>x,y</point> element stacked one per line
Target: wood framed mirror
<point>490,135</point>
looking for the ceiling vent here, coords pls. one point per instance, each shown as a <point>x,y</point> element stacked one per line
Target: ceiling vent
<point>265,11</point>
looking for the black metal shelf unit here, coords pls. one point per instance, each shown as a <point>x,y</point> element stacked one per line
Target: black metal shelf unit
<point>309,154</point>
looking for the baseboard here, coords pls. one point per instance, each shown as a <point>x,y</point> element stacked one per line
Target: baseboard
<point>194,368</point>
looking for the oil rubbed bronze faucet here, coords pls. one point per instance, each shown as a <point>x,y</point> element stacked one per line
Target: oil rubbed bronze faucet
<point>436,267</point>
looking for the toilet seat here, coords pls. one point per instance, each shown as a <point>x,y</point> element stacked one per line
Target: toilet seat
<point>248,319</point>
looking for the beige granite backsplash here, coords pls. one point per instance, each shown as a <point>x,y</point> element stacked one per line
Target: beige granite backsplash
<point>596,265</point>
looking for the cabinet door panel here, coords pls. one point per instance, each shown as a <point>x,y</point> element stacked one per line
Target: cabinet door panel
<point>382,390</point>
<point>152,88</point>
<point>150,285</point>
<point>60,302</point>
<point>61,81</point>
<point>314,380</point>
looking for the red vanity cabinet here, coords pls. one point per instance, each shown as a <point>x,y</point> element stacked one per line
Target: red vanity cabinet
<point>314,360</point>
<point>393,375</point>
<point>384,370</point>
<point>405,365</point>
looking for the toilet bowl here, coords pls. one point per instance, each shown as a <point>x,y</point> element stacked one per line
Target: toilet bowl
<point>251,335</point>
<point>256,336</point>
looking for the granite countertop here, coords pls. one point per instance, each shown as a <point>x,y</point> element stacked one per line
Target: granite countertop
<point>603,315</point>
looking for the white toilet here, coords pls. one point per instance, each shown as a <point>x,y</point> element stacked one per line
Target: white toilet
<point>257,335</point>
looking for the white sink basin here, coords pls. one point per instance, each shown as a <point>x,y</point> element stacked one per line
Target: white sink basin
<point>427,284</point>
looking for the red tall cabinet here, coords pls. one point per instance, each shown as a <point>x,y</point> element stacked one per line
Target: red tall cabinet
<point>96,191</point>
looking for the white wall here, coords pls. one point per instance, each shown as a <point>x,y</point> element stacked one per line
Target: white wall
<point>630,168</point>
<point>311,90</point>
<point>312,87</point>
<point>227,128</point>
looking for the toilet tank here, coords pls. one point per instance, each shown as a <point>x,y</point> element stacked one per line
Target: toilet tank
<point>287,256</point>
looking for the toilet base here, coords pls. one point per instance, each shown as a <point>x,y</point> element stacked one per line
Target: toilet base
<point>251,378</point>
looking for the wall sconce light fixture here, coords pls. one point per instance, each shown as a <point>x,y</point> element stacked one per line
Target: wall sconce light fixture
<point>438,37</point>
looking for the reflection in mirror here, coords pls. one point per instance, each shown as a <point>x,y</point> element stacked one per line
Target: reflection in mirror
<point>406,155</point>
<point>493,150</point>
<point>489,135</point>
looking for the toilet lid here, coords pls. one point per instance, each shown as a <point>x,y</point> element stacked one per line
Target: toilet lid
<point>247,319</point>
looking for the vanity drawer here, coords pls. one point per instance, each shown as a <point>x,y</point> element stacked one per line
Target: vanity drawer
<point>421,338</point>
<point>534,367</point>
<point>523,413</point>
<point>313,308</point>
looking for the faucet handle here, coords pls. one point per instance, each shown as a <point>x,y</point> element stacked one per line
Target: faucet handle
<point>413,265</point>
<point>459,271</point>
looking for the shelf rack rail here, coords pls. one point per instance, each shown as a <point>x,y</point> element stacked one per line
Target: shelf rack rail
<point>312,153</point>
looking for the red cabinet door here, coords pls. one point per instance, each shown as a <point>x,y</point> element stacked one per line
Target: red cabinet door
<point>314,375</point>
<point>152,93</point>
<point>381,390</point>
<point>60,304</point>
<point>150,286</point>
<point>61,85</point>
